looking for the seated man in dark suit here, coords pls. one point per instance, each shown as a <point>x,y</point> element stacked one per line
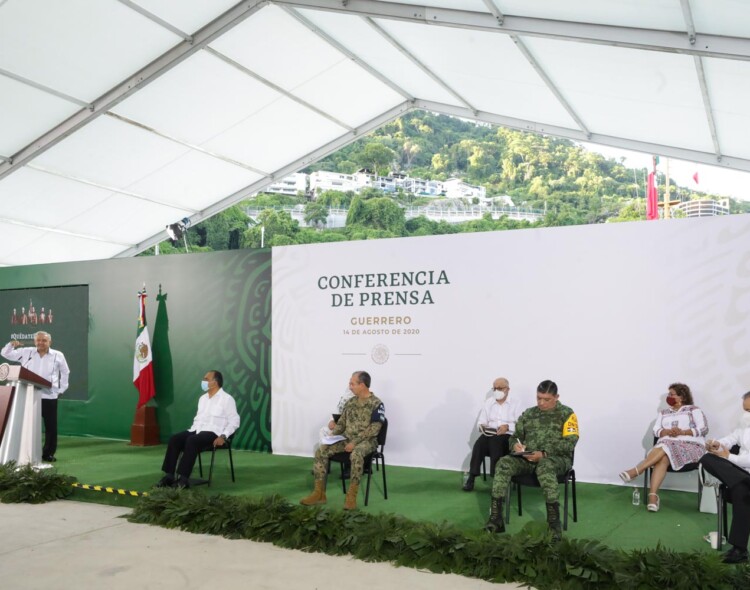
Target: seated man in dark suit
<point>734,472</point>
<point>216,420</point>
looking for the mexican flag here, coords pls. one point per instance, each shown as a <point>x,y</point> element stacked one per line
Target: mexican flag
<point>143,366</point>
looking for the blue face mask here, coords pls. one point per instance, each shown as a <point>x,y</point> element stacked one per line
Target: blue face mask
<point>204,385</point>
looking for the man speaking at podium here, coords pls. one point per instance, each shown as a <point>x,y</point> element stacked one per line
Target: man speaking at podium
<point>52,366</point>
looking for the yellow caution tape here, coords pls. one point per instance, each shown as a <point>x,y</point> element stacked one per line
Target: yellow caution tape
<point>85,486</point>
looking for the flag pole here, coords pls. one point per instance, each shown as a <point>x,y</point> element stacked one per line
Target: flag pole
<point>666,195</point>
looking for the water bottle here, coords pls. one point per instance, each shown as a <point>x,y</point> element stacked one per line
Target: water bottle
<point>636,497</point>
<point>466,477</point>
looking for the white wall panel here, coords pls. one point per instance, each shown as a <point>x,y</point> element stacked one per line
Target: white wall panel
<point>598,309</point>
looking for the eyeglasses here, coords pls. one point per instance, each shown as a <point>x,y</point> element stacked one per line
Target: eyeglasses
<point>501,389</point>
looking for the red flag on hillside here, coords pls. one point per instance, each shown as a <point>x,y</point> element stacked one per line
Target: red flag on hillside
<point>652,198</point>
<point>143,366</point>
<point>695,178</point>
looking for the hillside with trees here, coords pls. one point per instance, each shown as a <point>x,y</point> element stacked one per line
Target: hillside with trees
<point>569,183</point>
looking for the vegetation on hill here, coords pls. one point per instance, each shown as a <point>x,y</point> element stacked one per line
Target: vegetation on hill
<point>569,183</point>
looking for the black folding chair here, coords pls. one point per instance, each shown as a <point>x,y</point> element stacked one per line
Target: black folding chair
<point>226,446</point>
<point>530,479</point>
<point>377,456</point>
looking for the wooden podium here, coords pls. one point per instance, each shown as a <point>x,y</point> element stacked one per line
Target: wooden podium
<point>20,415</point>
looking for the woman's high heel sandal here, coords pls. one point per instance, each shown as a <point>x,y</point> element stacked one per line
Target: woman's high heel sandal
<point>625,476</point>
<point>651,506</point>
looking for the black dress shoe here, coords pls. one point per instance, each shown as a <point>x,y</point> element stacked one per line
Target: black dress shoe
<point>165,482</point>
<point>469,485</point>
<point>735,555</point>
<point>49,458</point>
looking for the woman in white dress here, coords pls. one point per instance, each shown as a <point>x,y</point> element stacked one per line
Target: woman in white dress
<point>681,430</point>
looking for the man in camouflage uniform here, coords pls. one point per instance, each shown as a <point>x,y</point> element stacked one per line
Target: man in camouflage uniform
<point>548,432</point>
<point>360,423</point>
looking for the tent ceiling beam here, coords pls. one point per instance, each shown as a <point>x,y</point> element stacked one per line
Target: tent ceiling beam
<point>349,53</point>
<point>276,88</point>
<point>62,232</point>
<point>411,57</point>
<point>298,164</point>
<point>151,72</point>
<point>705,45</point>
<point>43,88</point>
<point>550,84</point>
<point>687,14</point>
<point>495,11</point>
<point>110,189</point>
<point>186,144</point>
<point>707,105</point>
<point>159,21</point>
<point>577,135</point>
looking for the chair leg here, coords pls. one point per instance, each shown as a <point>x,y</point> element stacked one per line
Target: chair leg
<point>484,469</point>
<point>700,492</point>
<point>367,489</point>
<point>200,465</point>
<point>575,500</point>
<point>231,463</point>
<point>507,503</point>
<point>520,501</point>
<point>565,518</point>
<point>211,468</point>
<point>385,485</point>
<point>343,481</point>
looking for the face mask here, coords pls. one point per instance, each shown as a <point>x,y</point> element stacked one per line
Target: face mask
<point>745,420</point>
<point>500,395</point>
<point>204,385</point>
<point>671,401</point>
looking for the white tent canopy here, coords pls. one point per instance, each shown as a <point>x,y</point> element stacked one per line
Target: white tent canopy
<point>118,117</point>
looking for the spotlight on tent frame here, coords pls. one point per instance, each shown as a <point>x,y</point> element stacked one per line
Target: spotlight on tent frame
<point>177,231</point>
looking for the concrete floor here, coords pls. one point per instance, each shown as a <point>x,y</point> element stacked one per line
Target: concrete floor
<point>63,545</point>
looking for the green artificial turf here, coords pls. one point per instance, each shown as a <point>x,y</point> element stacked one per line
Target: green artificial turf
<point>605,512</point>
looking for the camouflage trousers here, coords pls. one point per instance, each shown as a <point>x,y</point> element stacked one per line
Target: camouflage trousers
<point>546,472</point>
<point>357,458</point>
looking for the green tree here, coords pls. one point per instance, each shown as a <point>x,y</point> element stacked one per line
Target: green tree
<point>316,214</point>
<point>280,230</point>
<point>376,157</point>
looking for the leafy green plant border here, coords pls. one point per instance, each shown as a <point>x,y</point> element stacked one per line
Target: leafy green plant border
<point>25,484</point>
<point>528,557</point>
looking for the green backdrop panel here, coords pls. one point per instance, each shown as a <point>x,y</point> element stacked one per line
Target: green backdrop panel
<point>204,311</point>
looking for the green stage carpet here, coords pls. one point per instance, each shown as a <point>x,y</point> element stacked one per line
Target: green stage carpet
<point>605,512</point>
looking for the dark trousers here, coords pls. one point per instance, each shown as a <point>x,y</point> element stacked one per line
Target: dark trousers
<point>492,446</point>
<point>737,481</point>
<point>189,444</point>
<point>49,417</point>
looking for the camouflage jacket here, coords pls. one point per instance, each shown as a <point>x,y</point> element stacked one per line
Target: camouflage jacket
<point>361,420</point>
<point>554,431</point>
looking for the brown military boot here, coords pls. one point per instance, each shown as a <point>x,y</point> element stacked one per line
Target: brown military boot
<point>553,520</point>
<point>351,497</point>
<point>318,495</point>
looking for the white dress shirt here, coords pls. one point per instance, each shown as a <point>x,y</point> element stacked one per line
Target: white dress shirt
<point>493,414</point>
<point>52,366</point>
<point>741,437</point>
<point>217,414</point>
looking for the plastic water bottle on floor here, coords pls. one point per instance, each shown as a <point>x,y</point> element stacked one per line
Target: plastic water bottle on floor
<point>636,497</point>
<point>466,477</point>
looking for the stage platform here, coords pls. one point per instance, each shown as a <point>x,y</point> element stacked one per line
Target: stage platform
<point>605,512</point>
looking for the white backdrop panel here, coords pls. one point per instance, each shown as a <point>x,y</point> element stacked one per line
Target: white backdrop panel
<point>612,313</point>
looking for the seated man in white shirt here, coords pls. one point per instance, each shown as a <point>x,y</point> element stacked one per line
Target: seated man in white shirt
<point>496,424</point>
<point>216,420</point>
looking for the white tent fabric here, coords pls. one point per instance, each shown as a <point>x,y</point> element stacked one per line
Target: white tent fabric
<point>118,117</point>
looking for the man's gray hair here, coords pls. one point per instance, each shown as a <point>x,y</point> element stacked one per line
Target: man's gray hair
<point>43,333</point>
